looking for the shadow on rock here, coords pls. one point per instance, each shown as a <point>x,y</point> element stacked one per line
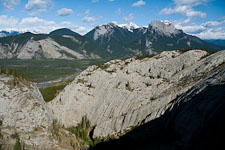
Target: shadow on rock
<point>194,122</point>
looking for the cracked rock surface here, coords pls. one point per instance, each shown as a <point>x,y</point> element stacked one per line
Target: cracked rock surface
<point>120,95</point>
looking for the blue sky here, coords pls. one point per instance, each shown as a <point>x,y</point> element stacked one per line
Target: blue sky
<point>203,18</point>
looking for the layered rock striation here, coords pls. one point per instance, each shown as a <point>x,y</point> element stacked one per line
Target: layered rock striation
<point>123,94</point>
<point>24,115</point>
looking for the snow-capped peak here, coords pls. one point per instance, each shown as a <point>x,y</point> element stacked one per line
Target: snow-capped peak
<point>130,26</point>
<point>5,33</point>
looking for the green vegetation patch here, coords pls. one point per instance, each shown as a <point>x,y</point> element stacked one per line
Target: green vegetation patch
<point>82,132</point>
<point>17,145</point>
<point>140,57</point>
<point>188,49</point>
<point>13,72</point>
<point>48,69</point>
<point>50,92</point>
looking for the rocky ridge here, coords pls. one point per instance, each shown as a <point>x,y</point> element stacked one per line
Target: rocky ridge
<point>116,97</point>
<point>129,39</point>
<point>194,120</point>
<point>24,115</point>
<point>59,44</point>
<point>120,95</point>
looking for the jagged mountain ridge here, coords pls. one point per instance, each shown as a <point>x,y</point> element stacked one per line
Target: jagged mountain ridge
<point>60,44</point>
<point>110,40</point>
<point>157,37</point>
<point>116,39</point>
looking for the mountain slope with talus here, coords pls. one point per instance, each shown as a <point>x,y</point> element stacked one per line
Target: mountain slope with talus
<point>60,44</point>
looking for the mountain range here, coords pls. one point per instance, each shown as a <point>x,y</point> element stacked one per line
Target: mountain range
<point>4,33</point>
<point>220,42</point>
<point>110,40</point>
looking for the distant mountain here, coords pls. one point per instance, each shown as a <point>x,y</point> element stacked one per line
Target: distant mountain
<point>130,26</point>
<point>60,44</point>
<point>63,31</point>
<point>161,36</point>
<point>115,39</point>
<point>8,33</point>
<point>217,42</point>
<point>110,40</point>
<point>121,40</point>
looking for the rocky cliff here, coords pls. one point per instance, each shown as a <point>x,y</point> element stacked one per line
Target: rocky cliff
<point>194,120</point>
<point>172,99</point>
<point>24,115</point>
<point>123,94</point>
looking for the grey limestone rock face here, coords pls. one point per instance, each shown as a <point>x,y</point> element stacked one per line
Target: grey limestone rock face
<point>120,95</point>
<point>24,113</point>
<point>164,27</point>
<point>45,48</point>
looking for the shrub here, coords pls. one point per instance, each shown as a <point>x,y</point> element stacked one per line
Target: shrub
<point>128,87</point>
<point>55,128</point>
<point>14,72</point>
<point>103,66</point>
<point>50,92</point>
<point>17,145</point>
<point>140,57</point>
<point>82,129</point>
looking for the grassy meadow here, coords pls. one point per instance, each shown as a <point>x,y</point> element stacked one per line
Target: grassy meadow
<point>48,69</point>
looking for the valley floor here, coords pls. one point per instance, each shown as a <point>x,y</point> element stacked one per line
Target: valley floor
<point>55,70</point>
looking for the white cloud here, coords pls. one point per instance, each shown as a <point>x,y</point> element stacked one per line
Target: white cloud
<point>37,25</point>
<point>139,3</point>
<point>64,12</point>
<point>207,30</point>
<point>87,12</point>
<point>222,18</point>
<point>211,34</point>
<point>220,29</point>
<point>81,30</point>
<point>8,21</point>
<point>129,17</point>
<point>9,4</point>
<point>213,23</point>
<point>89,19</point>
<point>32,21</point>
<point>191,28</point>
<point>190,2</point>
<point>186,8</point>
<point>95,1</point>
<point>38,6</point>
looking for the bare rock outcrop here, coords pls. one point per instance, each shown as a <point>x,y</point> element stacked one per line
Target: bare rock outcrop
<point>120,95</point>
<point>193,121</point>
<point>24,115</point>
